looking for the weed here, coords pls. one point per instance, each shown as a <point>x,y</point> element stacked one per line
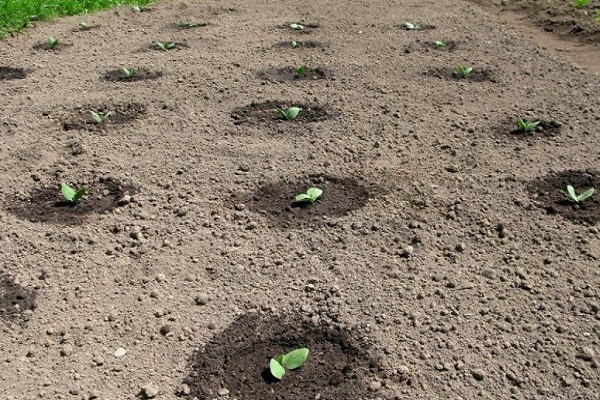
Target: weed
<point>311,195</point>
<point>526,126</point>
<point>463,72</point>
<point>71,194</point>
<point>579,4</point>
<point>130,72</point>
<point>296,44</point>
<point>99,117</point>
<point>165,45</point>
<point>297,27</point>
<point>84,26</point>
<point>292,360</point>
<point>578,198</point>
<point>301,70</point>
<point>288,114</point>
<point>439,44</point>
<point>52,42</point>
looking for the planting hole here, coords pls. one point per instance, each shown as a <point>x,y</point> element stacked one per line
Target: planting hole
<point>142,74</point>
<point>264,113</point>
<point>120,114</point>
<point>8,73</point>
<point>15,301</point>
<point>237,359</point>
<point>287,74</point>
<point>477,75</point>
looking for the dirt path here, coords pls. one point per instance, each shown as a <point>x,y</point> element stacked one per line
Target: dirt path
<point>444,259</point>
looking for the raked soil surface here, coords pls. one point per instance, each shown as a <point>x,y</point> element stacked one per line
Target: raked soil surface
<point>444,260</point>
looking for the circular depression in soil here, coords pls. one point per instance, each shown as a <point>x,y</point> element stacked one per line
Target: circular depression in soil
<point>545,129</point>
<point>46,204</point>
<point>276,200</point>
<point>237,359</point>
<point>289,74</point>
<point>14,301</point>
<point>550,193</point>
<point>264,113</point>
<point>9,73</point>
<point>477,75</point>
<point>142,74</point>
<point>120,114</point>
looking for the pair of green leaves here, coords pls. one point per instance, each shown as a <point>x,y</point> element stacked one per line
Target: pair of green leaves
<point>463,71</point>
<point>296,44</point>
<point>71,194</point>
<point>301,70</point>
<point>130,72</point>
<point>578,198</point>
<point>526,126</point>
<point>52,42</point>
<point>289,361</point>
<point>311,195</point>
<point>296,26</point>
<point>164,46</point>
<point>288,114</point>
<point>409,26</point>
<point>99,117</point>
<point>439,44</point>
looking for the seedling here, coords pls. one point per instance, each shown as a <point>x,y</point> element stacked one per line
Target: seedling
<point>52,42</point>
<point>288,114</point>
<point>526,126</point>
<point>301,70</point>
<point>84,26</point>
<point>190,25</point>
<point>578,198</point>
<point>297,26</point>
<point>99,117</point>
<point>71,194</point>
<point>439,44</point>
<point>164,45</point>
<point>579,4</point>
<point>139,9</point>
<point>292,360</point>
<point>412,27</point>
<point>311,195</point>
<point>463,72</point>
<point>130,72</point>
<point>296,44</point>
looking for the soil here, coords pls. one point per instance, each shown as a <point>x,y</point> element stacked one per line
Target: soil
<point>444,259</point>
<point>8,73</point>
<point>117,75</point>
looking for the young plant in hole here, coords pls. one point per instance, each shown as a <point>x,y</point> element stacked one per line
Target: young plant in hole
<point>99,117</point>
<point>52,42</point>
<point>301,70</point>
<point>190,25</point>
<point>288,114</point>
<point>296,44</point>
<point>412,27</point>
<point>72,195</point>
<point>130,72</point>
<point>139,9</point>
<point>289,361</point>
<point>311,195</point>
<point>579,4</point>
<point>84,26</point>
<point>578,198</point>
<point>526,126</point>
<point>296,26</point>
<point>439,44</point>
<point>463,72</point>
<point>164,45</point>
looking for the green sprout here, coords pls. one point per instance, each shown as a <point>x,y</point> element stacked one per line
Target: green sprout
<point>579,4</point>
<point>301,70</point>
<point>463,72</point>
<point>164,45</point>
<point>52,42</point>
<point>526,126</point>
<point>578,198</point>
<point>296,44</point>
<point>99,117</point>
<point>292,360</point>
<point>71,194</point>
<point>439,44</point>
<point>288,114</point>
<point>297,27</point>
<point>130,72</point>
<point>311,195</point>
<point>84,26</point>
<point>139,9</point>
<point>412,27</point>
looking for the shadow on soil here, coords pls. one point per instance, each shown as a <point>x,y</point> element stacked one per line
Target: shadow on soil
<point>550,193</point>
<point>8,73</point>
<point>16,302</point>
<point>237,360</point>
<point>47,205</point>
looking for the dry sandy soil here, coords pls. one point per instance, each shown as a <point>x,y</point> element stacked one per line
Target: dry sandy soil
<point>443,261</point>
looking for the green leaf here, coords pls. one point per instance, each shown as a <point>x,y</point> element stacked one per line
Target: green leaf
<point>585,195</point>
<point>297,27</point>
<point>314,193</point>
<point>571,191</point>
<point>276,369</point>
<point>303,197</point>
<point>79,194</point>
<point>292,112</point>
<point>96,117</point>
<point>408,26</point>
<point>281,112</point>
<point>67,191</point>
<point>301,70</point>
<point>439,44</point>
<point>296,44</point>
<point>295,359</point>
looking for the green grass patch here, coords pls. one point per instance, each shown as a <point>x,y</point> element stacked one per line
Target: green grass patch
<point>16,15</point>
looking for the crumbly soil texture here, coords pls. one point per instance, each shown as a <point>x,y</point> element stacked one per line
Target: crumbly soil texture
<point>443,260</point>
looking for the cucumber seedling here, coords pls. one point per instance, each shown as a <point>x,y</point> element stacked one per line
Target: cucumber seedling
<point>413,27</point>
<point>164,46</point>
<point>99,117</point>
<point>439,44</point>
<point>578,198</point>
<point>52,42</point>
<point>288,114</point>
<point>84,26</point>
<point>296,26</point>
<point>289,361</point>
<point>139,9</point>
<point>526,126</point>
<point>72,195</point>
<point>130,72</point>
<point>296,44</point>
<point>311,195</point>
<point>301,70</point>
<point>463,72</point>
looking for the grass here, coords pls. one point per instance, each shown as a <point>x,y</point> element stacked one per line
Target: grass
<point>16,15</point>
